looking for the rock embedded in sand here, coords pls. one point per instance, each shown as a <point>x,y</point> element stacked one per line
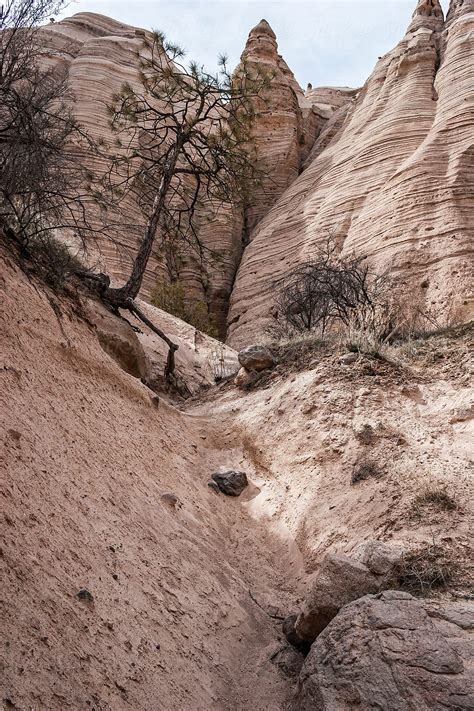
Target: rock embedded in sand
<point>256,358</point>
<point>393,652</point>
<point>381,558</point>
<point>245,378</point>
<point>339,580</point>
<point>85,595</point>
<point>231,483</point>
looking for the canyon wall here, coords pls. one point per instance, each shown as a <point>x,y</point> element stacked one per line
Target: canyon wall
<point>392,175</point>
<point>100,55</point>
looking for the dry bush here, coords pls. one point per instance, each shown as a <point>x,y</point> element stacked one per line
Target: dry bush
<point>435,497</point>
<point>366,469</point>
<point>327,290</point>
<point>342,296</point>
<point>425,569</point>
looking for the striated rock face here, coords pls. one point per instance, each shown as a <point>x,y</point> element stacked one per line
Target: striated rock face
<point>392,652</point>
<point>288,123</point>
<point>278,130</point>
<point>392,174</point>
<point>100,55</point>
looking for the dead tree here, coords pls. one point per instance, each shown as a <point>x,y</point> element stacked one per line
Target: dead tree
<point>43,184</point>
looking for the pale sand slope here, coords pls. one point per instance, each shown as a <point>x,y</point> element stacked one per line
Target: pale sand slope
<point>308,429</point>
<point>88,455</point>
<point>394,180</point>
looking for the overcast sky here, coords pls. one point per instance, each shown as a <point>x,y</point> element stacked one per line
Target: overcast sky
<point>325,42</point>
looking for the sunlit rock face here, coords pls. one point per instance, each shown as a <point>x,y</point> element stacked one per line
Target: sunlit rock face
<point>392,175</point>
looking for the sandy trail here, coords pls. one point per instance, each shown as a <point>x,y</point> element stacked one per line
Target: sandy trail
<point>182,596</point>
<point>187,598</point>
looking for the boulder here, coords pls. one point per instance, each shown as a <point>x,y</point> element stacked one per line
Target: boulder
<point>256,358</point>
<point>393,652</point>
<point>339,580</point>
<point>231,483</point>
<point>381,558</point>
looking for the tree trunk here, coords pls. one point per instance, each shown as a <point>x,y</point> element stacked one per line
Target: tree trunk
<point>132,287</point>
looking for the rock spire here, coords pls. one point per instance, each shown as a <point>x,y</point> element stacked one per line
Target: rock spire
<point>428,13</point>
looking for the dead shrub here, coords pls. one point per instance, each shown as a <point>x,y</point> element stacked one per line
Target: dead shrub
<point>425,569</point>
<point>219,366</point>
<point>433,497</point>
<point>367,469</point>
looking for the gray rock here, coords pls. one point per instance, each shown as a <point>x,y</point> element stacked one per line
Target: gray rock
<point>85,595</point>
<point>289,661</point>
<point>392,652</point>
<point>381,558</point>
<point>231,483</point>
<point>256,358</point>
<point>171,500</point>
<point>339,580</point>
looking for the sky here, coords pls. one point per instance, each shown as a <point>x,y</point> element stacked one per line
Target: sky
<point>325,42</point>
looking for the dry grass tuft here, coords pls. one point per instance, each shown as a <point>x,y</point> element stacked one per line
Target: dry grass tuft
<point>426,569</point>
<point>367,469</point>
<point>433,497</point>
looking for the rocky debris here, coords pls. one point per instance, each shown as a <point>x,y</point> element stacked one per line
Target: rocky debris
<point>381,558</point>
<point>292,636</point>
<point>339,580</point>
<point>349,358</point>
<point>85,595</point>
<point>256,358</point>
<point>392,652</point>
<point>231,483</point>
<point>289,660</point>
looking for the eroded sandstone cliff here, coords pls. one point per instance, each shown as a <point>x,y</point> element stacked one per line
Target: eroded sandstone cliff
<point>392,175</point>
<point>100,55</point>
